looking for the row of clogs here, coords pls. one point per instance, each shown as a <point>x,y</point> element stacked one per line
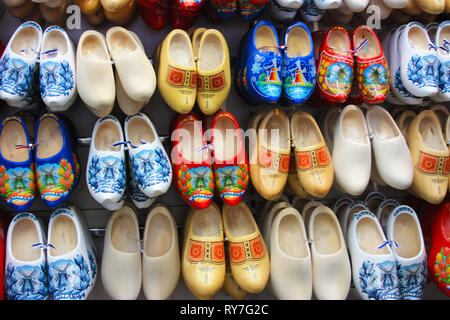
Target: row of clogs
<point>125,268</point>
<point>418,58</point>
<point>47,164</point>
<point>60,265</point>
<point>106,173</point>
<point>194,70</point>
<point>97,11</point>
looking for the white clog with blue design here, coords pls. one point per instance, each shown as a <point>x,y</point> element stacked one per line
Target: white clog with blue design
<point>443,52</point>
<point>25,263</point>
<point>71,257</point>
<point>106,172</point>
<point>397,87</point>
<point>419,68</point>
<point>150,165</point>
<point>57,69</point>
<point>404,231</point>
<point>374,267</point>
<point>18,66</point>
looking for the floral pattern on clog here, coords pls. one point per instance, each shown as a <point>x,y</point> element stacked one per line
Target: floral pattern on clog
<point>299,78</point>
<point>444,77</point>
<point>107,174</point>
<point>263,76</point>
<point>26,282</point>
<point>56,79</point>
<point>252,10</point>
<point>423,71</point>
<point>17,185</point>
<point>55,180</point>
<point>412,279</point>
<point>17,77</point>
<point>196,184</point>
<point>232,182</point>
<point>441,267</point>
<point>150,167</point>
<point>379,280</point>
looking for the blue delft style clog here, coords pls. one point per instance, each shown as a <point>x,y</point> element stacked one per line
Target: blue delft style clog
<point>106,173</point>
<point>18,66</point>
<point>262,63</point>
<point>25,264</point>
<point>17,180</point>
<point>57,70</point>
<point>150,165</point>
<point>71,256</point>
<point>299,66</point>
<point>57,167</point>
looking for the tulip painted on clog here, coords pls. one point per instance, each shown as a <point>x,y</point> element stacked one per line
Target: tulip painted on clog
<point>55,163</point>
<point>230,161</point>
<point>335,66</point>
<point>299,66</point>
<point>372,71</point>
<point>191,162</point>
<point>17,180</point>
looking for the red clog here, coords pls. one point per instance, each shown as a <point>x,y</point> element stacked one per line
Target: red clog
<point>371,69</point>
<point>191,162</point>
<point>439,256</point>
<point>184,13</point>
<point>354,96</point>
<point>154,13</point>
<point>230,159</point>
<point>335,66</point>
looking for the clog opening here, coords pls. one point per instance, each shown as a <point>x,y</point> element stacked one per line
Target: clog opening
<point>382,125</point>
<point>386,211</point>
<point>354,127</point>
<point>26,42</point>
<point>64,237</point>
<point>265,39</point>
<point>299,43</point>
<point>11,136</point>
<point>54,40</point>
<point>444,35</point>
<point>340,210</point>
<point>430,131</point>
<point>308,211</point>
<point>370,238</point>
<point>442,114</point>
<point>226,141</point>
<point>106,136</point>
<point>305,132</point>
<point>197,37</point>
<point>139,131</point>
<point>405,123</point>
<point>190,139</point>
<point>159,236</point>
<point>326,234</point>
<point>418,39</point>
<point>121,43</point>
<point>125,234</point>
<point>239,221</point>
<point>50,138</point>
<point>291,237</point>
<point>180,50</point>
<point>277,131</point>
<point>23,237</point>
<point>340,42</point>
<point>206,223</point>
<point>210,53</point>
<point>93,48</point>
<point>371,49</point>
<point>354,210</point>
<point>407,236</point>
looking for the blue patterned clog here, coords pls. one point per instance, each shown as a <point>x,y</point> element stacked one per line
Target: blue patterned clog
<point>17,180</point>
<point>262,64</point>
<point>150,165</point>
<point>57,170</point>
<point>71,256</point>
<point>25,263</point>
<point>299,66</point>
<point>250,10</point>
<point>106,173</point>
<point>57,70</point>
<point>18,66</point>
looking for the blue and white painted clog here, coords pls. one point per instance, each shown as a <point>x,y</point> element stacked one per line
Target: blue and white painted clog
<point>57,169</point>
<point>18,66</point>
<point>57,70</point>
<point>106,172</point>
<point>17,178</point>
<point>71,256</point>
<point>443,53</point>
<point>26,264</point>
<point>299,66</point>
<point>150,165</point>
<point>419,68</point>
